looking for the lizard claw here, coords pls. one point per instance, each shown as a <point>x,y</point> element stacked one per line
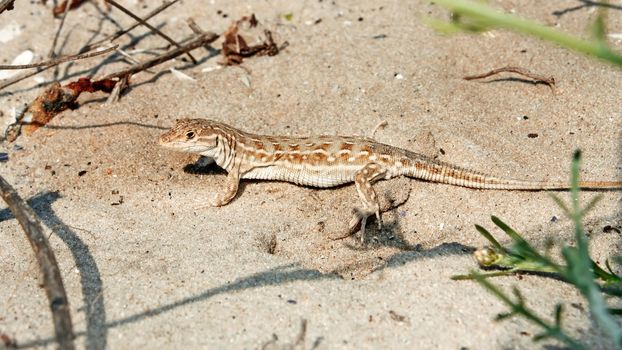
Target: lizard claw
<point>360,216</point>
<point>214,202</point>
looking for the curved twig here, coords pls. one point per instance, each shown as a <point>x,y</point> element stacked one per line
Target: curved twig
<point>52,280</point>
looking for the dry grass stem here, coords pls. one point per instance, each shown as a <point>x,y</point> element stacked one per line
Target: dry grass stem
<point>550,81</point>
<point>60,59</point>
<point>152,28</point>
<point>118,34</point>
<point>6,5</point>
<point>51,54</point>
<point>52,281</point>
<point>201,40</point>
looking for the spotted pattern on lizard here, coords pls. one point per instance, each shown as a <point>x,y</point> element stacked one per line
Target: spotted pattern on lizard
<point>328,161</point>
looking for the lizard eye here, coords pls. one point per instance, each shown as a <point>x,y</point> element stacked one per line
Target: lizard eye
<point>190,135</point>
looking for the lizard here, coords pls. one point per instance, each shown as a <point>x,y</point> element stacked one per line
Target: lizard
<point>329,161</point>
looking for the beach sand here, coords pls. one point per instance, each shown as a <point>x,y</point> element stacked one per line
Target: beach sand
<point>144,269</point>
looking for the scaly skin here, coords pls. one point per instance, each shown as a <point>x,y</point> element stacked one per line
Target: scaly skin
<point>328,161</point>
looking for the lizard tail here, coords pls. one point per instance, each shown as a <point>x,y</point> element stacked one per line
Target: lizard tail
<point>440,172</point>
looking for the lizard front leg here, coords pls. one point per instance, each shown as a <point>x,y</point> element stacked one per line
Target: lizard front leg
<point>231,189</point>
<point>364,179</point>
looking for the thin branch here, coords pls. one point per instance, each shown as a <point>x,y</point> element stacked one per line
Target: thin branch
<point>118,34</point>
<point>116,92</point>
<point>22,76</point>
<point>550,81</point>
<point>6,5</point>
<point>52,280</point>
<point>204,39</point>
<point>194,26</point>
<point>152,28</point>
<point>60,59</point>
<point>40,69</point>
<point>51,54</point>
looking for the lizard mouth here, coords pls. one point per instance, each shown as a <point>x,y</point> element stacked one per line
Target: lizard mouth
<point>167,140</point>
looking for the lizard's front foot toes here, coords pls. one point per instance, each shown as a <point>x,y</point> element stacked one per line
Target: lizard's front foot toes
<point>214,202</point>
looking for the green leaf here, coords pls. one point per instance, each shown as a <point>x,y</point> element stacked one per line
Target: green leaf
<point>615,311</point>
<point>561,204</point>
<point>486,16</point>
<point>508,230</point>
<point>542,336</point>
<point>598,28</point>
<point>442,26</point>
<point>489,237</point>
<point>504,315</point>
<point>591,204</point>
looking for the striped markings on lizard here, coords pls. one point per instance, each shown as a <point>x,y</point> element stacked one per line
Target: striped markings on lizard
<point>328,161</point>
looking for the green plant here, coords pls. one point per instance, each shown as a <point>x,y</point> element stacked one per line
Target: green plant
<point>473,16</point>
<point>577,269</point>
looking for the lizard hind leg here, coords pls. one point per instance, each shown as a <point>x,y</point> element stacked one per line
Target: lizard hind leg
<point>364,179</point>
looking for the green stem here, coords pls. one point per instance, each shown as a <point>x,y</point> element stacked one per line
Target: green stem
<point>491,17</point>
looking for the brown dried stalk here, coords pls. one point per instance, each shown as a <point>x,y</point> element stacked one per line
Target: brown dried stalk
<point>59,60</point>
<point>194,26</point>
<point>51,54</point>
<point>40,69</point>
<point>550,81</point>
<point>152,28</point>
<point>6,5</point>
<point>52,280</point>
<point>22,76</point>
<point>118,34</point>
<point>204,39</point>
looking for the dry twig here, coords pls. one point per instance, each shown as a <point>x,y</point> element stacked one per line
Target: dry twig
<point>550,81</point>
<point>116,91</point>
<point>52,281</point>
<point>51,54</point>
<point>205,39</point>
<point>42,67</point>
<point>22,76</point>
<point>60,60</point>
<point>6,5</point>
<point>194,26</point>
<point>152,28</point>
<point>118,34</point>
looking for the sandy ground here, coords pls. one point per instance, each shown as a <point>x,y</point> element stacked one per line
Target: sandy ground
<point>144,269</point>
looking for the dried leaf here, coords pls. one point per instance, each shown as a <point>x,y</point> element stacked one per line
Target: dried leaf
<point>57,98</point>
<point>235,46</point>
<point>60,8</point>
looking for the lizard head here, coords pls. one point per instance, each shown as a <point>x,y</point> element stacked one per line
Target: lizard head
<point>192,135</point>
